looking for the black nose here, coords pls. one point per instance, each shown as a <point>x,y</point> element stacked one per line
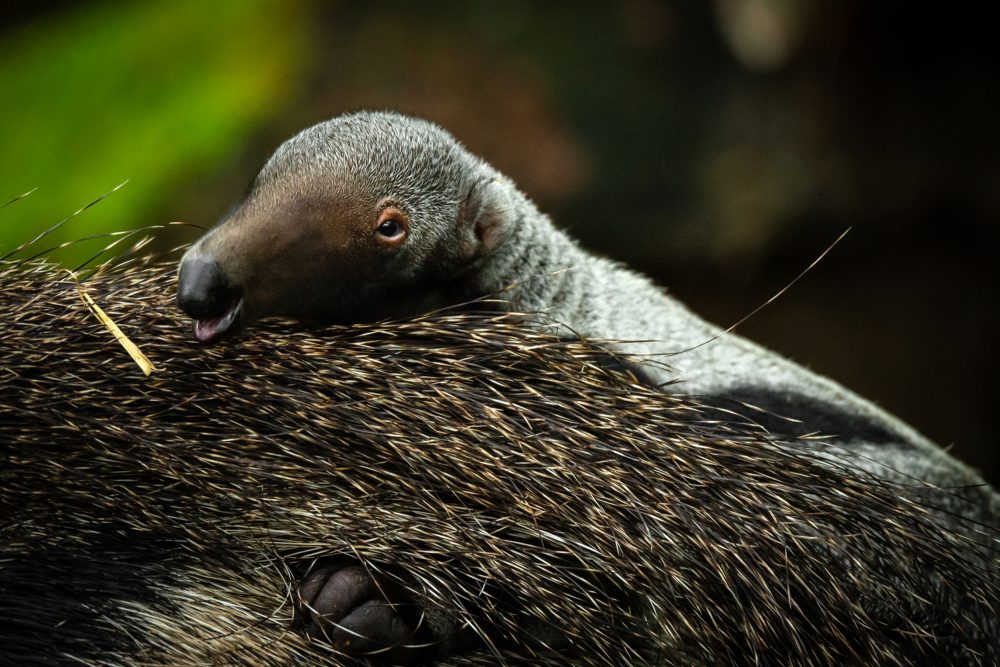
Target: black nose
<point>203,291</point>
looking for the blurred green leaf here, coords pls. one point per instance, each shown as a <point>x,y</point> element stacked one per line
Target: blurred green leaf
<point>155,92</point>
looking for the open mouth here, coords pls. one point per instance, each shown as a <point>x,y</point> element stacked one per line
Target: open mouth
<point>214,328</point>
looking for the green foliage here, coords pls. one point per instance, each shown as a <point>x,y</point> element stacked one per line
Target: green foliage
<point>156,92</point>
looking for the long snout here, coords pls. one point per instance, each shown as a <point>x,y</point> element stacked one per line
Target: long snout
<point>206,294</point>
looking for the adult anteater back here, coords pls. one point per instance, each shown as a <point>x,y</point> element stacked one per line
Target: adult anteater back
<point>513,481</point>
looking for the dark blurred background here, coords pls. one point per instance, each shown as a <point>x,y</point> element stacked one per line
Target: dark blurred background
<point>717,146</point>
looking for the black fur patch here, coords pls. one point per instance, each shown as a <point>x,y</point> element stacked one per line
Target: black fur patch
<point>64,597</point>
<point>795,414</point>
<point>785,413</point>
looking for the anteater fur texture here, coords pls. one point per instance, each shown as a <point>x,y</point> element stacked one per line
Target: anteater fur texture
<point>509,479</point>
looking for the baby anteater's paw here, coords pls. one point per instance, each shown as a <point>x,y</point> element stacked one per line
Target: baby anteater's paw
<point>361,612</point>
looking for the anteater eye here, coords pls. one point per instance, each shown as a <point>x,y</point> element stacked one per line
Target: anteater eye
<point>393,227</point>
<point>390,228</point>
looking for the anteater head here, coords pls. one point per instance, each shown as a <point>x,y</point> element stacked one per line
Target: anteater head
<point>361,217</point>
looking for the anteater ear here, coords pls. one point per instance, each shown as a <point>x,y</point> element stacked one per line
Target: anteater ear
<point>486,217</point>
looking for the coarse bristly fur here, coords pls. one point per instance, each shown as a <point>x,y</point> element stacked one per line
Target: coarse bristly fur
<point>509,480</point>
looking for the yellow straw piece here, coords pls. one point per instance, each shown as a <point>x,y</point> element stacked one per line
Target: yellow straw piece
<point>141,359</point>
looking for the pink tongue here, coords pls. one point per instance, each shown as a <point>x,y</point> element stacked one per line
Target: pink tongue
<point>209,329</point>
<point>206,330</point>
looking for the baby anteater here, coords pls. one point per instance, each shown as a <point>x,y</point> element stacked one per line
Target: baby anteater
<point>375,215</point>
